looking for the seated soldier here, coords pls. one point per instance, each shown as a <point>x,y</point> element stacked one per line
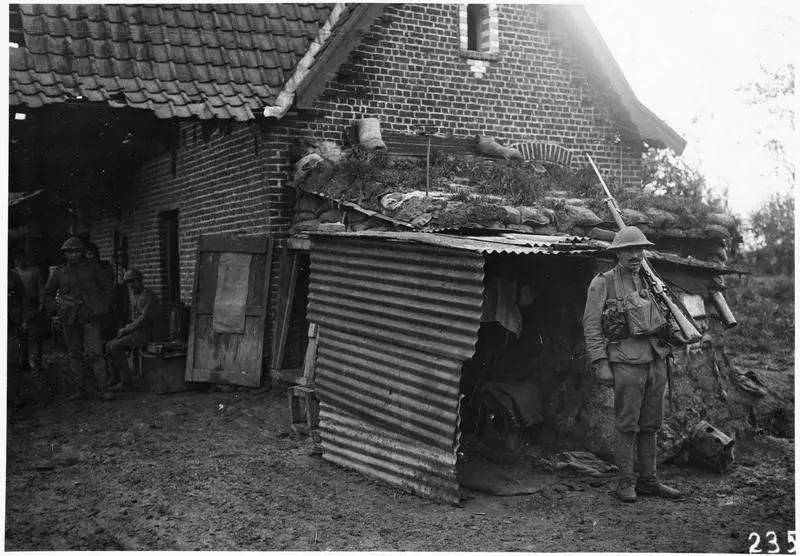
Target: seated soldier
<point>145,311</point>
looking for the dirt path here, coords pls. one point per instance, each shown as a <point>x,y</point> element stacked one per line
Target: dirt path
<point>212,470</point>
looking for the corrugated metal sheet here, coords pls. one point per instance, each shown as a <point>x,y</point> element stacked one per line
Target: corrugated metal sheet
<point>716,268</point>
<point>396,322</point>
<point>510,243</point>
<point>530,244</point>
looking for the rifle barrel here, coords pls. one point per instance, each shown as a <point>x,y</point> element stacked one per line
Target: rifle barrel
<point>685,322</point>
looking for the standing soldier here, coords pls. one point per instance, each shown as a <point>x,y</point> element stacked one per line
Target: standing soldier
<point>84,297</point>
<point>626,336</point>
<point>139,331</point>
<point>31,326</point>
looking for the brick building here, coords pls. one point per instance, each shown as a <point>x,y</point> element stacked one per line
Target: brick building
<point>411,68</point>
<point>145,123</point>
<point>146,127</point>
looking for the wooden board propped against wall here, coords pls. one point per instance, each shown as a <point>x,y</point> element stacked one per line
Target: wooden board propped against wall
<point>226,330</point>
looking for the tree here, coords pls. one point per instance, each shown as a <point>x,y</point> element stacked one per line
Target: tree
<point>665,173</point>
<point>772,228</point>
<point>774,95</point>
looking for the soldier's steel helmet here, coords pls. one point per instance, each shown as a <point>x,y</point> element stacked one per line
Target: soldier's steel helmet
<point>629,236</point>
<point>73,243</point>
<point>132,274</point>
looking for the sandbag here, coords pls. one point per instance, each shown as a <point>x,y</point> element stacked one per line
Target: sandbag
<point>533,216</point>
<point>490,147</point>
<point>369,134</point>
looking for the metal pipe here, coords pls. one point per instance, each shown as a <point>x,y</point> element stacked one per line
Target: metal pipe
<point>724,312</point>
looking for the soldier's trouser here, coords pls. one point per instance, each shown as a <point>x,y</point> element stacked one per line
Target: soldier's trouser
<point>639,396</point>
<point>30,350</point>
<point>85,340</point>
<point>638,407</point>
<point>118,348</point>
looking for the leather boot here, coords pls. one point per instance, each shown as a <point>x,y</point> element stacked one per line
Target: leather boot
<point>648,483</point>
<point>623,449</point>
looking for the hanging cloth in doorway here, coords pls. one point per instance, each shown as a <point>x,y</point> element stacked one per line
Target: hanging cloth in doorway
<point>230,301</point>
<point>500,304</point>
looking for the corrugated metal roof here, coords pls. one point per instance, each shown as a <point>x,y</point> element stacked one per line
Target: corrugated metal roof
<point>512,243</point>
<point>395,326</point>
<point>717,268</point>
<point>528,244</point>
<point>181,60</point>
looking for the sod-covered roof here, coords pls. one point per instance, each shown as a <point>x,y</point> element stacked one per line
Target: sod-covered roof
<point>465,191</point>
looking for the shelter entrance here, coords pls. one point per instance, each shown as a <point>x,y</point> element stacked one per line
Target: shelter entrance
<point>524,385</point>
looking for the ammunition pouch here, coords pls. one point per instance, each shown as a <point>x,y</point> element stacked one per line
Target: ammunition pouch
<point>636,314</point>
<point>644,314</point>
<point>613,320</point>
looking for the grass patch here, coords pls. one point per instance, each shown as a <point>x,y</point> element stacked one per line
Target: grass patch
<point>764,308</point>
<point>364,176</point>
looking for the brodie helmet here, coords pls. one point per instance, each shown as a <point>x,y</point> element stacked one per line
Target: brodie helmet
<point>629,236</point>
<point>132,274</point>
<point>73,242</point>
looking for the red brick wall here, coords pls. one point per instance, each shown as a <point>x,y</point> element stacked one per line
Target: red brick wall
<point>222,185</point>
<point>412,76</point>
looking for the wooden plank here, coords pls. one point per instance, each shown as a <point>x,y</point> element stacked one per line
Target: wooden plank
<point>310,361</point>
<point>206,277</point>
<point>299,243</point>
<point>193,319</point>
<point>207,308</point>
<point>235,356</point>
<point>255,282</point>
<point>283,265</point>
<point>286,315</point>
<point>229,358</point>
<point>417,145</point>
<point>292,376</point>
<point>232,243</point>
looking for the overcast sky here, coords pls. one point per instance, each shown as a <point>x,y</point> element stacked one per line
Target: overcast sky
<point>686,60</point>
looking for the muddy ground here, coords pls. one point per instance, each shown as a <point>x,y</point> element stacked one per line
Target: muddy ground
<point>213,470</point>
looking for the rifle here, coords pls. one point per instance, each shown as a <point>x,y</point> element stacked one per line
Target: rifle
<point>655,284</point>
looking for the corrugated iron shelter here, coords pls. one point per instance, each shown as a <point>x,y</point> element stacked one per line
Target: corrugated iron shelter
<point>398,315</point>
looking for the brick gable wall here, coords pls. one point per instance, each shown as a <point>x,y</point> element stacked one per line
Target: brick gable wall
<point>410,73</point>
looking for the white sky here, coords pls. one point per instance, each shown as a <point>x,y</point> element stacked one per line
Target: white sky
<point>685,60</point>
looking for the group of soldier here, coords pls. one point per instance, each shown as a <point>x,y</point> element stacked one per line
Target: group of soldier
<point>84,296</point>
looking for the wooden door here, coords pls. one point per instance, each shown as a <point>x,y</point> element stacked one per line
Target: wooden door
<point>229,309</point>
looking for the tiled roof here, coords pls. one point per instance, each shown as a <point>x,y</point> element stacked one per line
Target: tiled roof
<point>183,60</point>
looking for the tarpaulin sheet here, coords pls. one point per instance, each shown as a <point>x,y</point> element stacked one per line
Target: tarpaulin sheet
<point>230,302</point>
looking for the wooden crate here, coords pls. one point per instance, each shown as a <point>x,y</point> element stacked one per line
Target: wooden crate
<point>163,375</point>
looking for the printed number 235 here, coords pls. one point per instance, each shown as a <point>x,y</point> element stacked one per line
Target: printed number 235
<point>772,540</point>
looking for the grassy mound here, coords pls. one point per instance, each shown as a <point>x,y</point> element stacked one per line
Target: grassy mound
<point>364,176</point>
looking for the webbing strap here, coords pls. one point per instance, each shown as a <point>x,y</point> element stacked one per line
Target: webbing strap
<point>611,283</point>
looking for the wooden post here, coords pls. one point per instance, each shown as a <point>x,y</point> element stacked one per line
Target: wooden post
<point>310,361</point>
<point>290,263</point>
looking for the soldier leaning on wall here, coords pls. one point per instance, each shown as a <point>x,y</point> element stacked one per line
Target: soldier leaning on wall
<point>84,299</point>
<point>628,340</point>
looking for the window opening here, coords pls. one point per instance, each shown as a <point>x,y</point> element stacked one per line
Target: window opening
<point>478,27</point>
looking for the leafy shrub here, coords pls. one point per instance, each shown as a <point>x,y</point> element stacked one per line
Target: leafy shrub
<point>764,308</point>
<point>772,228</point>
